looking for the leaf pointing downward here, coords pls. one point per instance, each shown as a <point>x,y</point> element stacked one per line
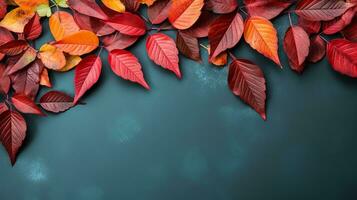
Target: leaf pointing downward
<point>247,81</point>
<point>342,56</point>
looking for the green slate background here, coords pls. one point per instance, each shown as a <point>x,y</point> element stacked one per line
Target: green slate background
<point>192,139</point>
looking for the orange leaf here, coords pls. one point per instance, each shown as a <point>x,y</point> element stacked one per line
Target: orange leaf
<point>72,61</point>
<point>45,79</point>
<point>30,4</point>
<point>115,5</point>
<point>62,24</point>
<point>52,57</point>
<point>16,19</point>
<point>78,43</point>
<point>184,13</point>
<point>262,36</point>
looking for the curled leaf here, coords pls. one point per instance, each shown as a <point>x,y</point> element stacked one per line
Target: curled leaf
<point>45,78</point>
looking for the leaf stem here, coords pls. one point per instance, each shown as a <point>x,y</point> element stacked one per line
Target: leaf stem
<point>241,9</point>
<point>205,47</point>
<point>323,37</point>
<point>232,55</point>
<point>290,21</point>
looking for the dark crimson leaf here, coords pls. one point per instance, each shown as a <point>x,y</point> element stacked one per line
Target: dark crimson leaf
<point>12,132</point>
<point>118,41</point>
<point>86,75</point>
<point>159,11</point>
<point>317,49</point>
<point>25,59</point>
<point>342,56</point>
<point>266,8</point>
<point>350,32</point>
<point>3,8</point>
<point>201,27</point>
<point>188,46</point>
<point>247,81</point>
<point>225,32</point>
<point>13,47</point>
<point>25,105</point>
<point>4,80</point>
<point>296,46</point>
<point>56,102</point>
<point>336,25</point>
<point>126,65</point>
<point>222,6</point>
<point>5,36</point>
<point>128,23</point>
<point>33,29</point>
<point>92,24</point>
<point>163,51</point>
<point>131,5</point>
<point>87,7</point>
<point>311,27</point>
<point>3,108</point>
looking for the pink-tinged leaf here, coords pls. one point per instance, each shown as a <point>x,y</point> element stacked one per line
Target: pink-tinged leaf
<point>222,6</point>
<point>56,102</point>
<point>92,24</point>
<point>3,108</point>
<point>296,46</point>
<point>188,46</point>
<point>87,74</point>
<point>25,104</point>
<point>267,8</point>
<point>25,59</point>
<point>27,81</point>
<point>33,29</point>
<point>163,51</point>
<point>350,32</point>
<point>225,32</point>
<point>317,49</point>
<point>201,27</point>
<point>311,27</point>
<point>338,24</point>
<point>87,7</point>
<point>118,41</point>
<point>13,47</point>
<point>159,11</point>
<point>127,66</point>
<point>247,81</point>
<point>128,23</point>
<point>342,56</point>
<point>12,132</point>
<point>3,8</point>
<point>4,80</point>
<point>321,10</point>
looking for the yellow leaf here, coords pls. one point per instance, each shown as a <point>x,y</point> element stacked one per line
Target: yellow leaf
<point>16,19</point>
<point>261,35</point>
<point>79,43</point>
<point>30,4</point>
<point>147,2</point>
<point>62,24</point>
<point>45,79</point>
<point>52,57</point>
<point>72,61</point>
<point>115,5</point>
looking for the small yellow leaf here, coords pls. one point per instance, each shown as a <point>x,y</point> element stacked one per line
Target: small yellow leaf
<point>72,61</point>
<point>16,19</point>
<point>115,5</point>
<point>52,57</point>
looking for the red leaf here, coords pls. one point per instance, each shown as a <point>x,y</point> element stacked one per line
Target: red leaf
<point>128,23</point>
<point>13,47</point>
<point>317,49</point>
<point>342,56</point>
<point>25,59</point>
<point>5,36</point>
<point>222,6</point>
<point>25,105</point>
<point>92,24</point>
<point>56,102</point>
<point>350,32</point>
<point>131,5</point>
<point>311,27</point>
<point>4,80</point>
<point>321,10</point>
<point>3,108</point>
<point>296,46</point>
<point>267,8</point>
<point>3,8</point>
<point>188,46</point>
<point>87,7</point>
<point>159,11</point>
<point>87,74</point>
<point>225,32</point>
<point>162,50</point>
<point>201,27</point>
<point>184,13</point>
<point>126,65</point>
<point>247,81</point>
<point>12,132</point>
<point>33,29</point>
<point>118,41</point>
<point>337,24</point>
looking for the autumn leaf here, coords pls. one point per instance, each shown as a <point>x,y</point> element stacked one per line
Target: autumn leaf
<point>13,47</point>
<point>184,13</point>
<point>159,11</point>
<point>118,41</point>
<point>311,27</point>
<point>115,5</point>
<point>350,32</point>
<point>162,50</point>
<point>56,102</point>
<point>130,5</point>
<point>261,35</point>
<point>6,37</point>
<point>338,24</point>
<point>52,57</point>
<point>201,27</point>
<point>71,62</point>
<point>86,75</point>
<point>247,81</point>
<point>45,78</point>
<point>33,28</point>
<point>3,108</point>
<point>188,46</point>
<point>128,23</point>
<point>87,7</point>
<point>317,49</point>
<point>62,24</point>
<point>342,56</point>
<point>16,20</point>
<point>3,8</point>
<point>4,80</point>
<point>127,66</point>
<point>79,43</point>
<point>30,4</point>
<point>222,6</point>
<point>25,105</point>
<point>24,59</point>
<point>267,8</point>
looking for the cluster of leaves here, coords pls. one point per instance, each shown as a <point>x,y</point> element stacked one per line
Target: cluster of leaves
<point>81,26</point>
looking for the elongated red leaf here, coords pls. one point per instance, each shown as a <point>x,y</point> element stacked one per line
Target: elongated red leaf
<point>338,24</point>
<point>33,29</point>
<point>350,32</point>
<point>225,32</point>
<point>321,10</point>
<point>95,25</point>
<point>12,132</point>
<point>4,80</point>
<point>311,27</point>
<point>87,74</point>
<point>188,46</point>
<point>127,66</point>
<point>56,102</point>
<point>118,41</point>
<point>128,23</point>
<point>25,59</point>
<point>266,8</point>
<point>317,49</point>
<point>296,46</point>
<point>222,6</point>
<point>3,108</point>
<point>25,104</point>
<point>87,7</point>
<point>247,81</point>
<point>13,47</point>
<point>162,50</point>
<point>159,11</point>
<point>342,56</point>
